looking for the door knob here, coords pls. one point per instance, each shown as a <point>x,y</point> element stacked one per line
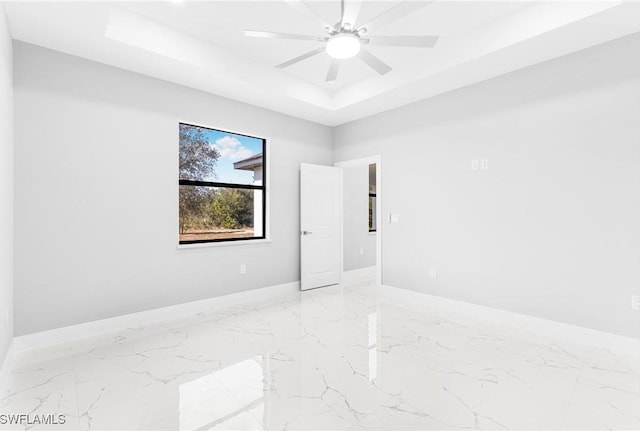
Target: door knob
<point>306,232</point>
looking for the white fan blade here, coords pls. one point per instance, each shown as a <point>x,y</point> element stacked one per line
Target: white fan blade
<point>412,41</point>
<point>374,62</point>
<point>350,11</point>
<point>333,71</point>
<point>272,35</point>
<point>305,9</point>
<point>398,11</point>
<point>300,58</point>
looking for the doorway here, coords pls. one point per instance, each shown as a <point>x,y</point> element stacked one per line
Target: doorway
<point>361,218</point>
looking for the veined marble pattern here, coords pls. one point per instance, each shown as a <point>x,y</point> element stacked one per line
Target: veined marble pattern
<point>338,358</point>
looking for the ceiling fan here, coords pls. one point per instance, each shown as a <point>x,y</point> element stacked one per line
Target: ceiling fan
<point>345,39</point>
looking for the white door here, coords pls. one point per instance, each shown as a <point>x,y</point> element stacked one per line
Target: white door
<point>320,212</point>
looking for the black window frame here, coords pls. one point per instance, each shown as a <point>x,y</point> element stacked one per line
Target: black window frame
<point>212,184</point>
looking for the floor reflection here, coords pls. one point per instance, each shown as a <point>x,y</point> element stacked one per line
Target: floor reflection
<point>230,398</point>
<point>373,351</point>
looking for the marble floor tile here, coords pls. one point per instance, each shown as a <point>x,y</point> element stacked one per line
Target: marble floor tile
<point>349,357</point>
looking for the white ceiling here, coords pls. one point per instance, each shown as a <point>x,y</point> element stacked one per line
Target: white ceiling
<point>201,44</point>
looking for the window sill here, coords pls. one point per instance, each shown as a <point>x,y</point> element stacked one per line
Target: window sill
<point>222,244</point>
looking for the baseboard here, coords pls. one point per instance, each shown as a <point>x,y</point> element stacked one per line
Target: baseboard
<point>89,329</point>
<point>574,333</point>
<point>578,334</point>
<point>6,366</point>
<point>359,274</point>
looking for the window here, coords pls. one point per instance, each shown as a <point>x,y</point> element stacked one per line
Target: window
<point>222,195</point>
<point>372,198</point>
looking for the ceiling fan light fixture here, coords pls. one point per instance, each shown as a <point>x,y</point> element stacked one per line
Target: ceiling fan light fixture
<point>343,45</point>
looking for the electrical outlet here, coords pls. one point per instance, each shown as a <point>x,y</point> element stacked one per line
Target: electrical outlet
<point>433,273</point>
<point>635,302</point>
<point>484,165</point>
<point>243,269</point>
<point>475,165</point>
<point>361,250</point>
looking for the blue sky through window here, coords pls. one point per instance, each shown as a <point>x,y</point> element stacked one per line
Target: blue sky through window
<point>232,148</point>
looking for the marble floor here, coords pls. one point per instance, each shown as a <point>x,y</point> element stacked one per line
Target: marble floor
<point>338,358</point>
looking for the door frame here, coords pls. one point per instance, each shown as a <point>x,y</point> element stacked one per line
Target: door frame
<point>377,159</point>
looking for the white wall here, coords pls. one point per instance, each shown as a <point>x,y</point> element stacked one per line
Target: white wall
<point>96,192</point>
<point>356,219</point>
<point>6,186</point>
<point>552,229</point>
